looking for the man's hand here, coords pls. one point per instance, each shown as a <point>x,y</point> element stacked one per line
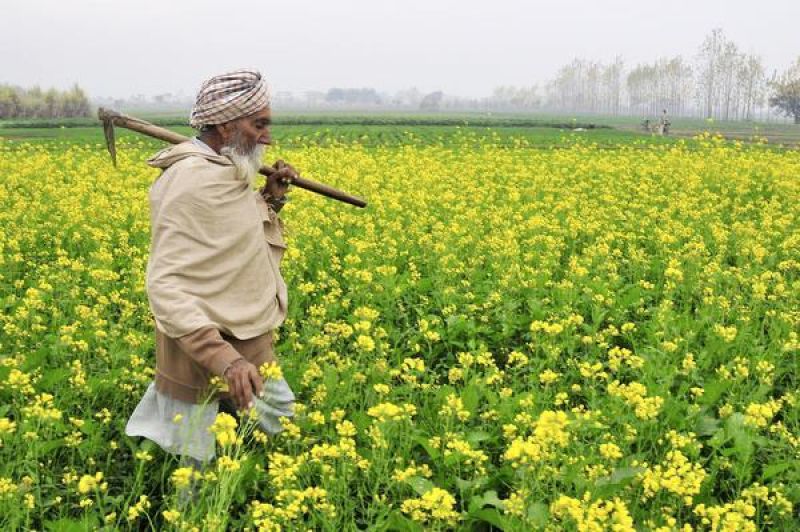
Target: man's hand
<point>243,380</point>
<point>278,183</point>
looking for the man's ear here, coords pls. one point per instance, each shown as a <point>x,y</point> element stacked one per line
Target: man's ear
<point>225,131</point>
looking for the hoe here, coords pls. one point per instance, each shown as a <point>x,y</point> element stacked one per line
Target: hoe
<point>113,118</point>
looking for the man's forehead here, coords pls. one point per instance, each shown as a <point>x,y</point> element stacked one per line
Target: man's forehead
<point>263,114</point>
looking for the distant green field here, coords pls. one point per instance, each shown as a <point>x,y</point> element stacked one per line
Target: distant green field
<point>349,118</point>
<point>368,135</point>
<point>539,130</point>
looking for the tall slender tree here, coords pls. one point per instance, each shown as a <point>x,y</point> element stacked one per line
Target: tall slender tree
<point>708,60</point>
<point>786,92</point>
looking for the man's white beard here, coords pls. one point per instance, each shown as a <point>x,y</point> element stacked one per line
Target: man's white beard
<point>246,161</point>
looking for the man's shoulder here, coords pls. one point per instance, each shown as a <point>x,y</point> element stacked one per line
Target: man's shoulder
<point>195,164</point>
<point>195,179</point>
<point>188,154</point>
<point>195,173</point>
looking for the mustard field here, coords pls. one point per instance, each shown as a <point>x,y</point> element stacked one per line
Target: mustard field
<point>573,337</point>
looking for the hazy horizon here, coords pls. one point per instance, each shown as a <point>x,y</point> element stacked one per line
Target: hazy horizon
<point>120,49</point>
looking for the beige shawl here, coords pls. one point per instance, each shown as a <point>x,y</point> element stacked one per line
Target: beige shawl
<point>210,260</point>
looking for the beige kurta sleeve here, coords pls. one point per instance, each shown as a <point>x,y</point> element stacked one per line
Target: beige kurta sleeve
<point>273,228</point>
<point>207,347</point>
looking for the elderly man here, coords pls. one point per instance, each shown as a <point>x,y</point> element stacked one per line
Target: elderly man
<point>213,277</point>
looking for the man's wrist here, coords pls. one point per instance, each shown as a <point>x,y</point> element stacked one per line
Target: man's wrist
<point>276,203</point>
<point>230,365</point>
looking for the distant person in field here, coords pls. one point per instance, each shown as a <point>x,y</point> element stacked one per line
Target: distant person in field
<point>213,277</point>
<point>663,123</point>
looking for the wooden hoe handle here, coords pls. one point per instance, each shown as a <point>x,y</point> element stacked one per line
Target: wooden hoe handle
<point>112,118</point>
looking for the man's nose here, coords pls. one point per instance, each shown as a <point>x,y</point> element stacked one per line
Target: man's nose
<point>265,138</point>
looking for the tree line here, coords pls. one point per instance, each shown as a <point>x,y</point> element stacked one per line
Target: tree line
<point>722,82</point>
<point>18,102</point>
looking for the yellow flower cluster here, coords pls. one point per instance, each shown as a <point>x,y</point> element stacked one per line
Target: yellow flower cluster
<point>728,334</point>
<point>412,470</point>
<point>454,407</point>
<point>20,381</point>
<point>226,464</point>
<point>466,454</point>
<point>7,487</point>
<point>610,451</point>
<point>617,356</point>
<point>516,504</point>
<point>551,428</point>
<point>6,427</point>
<point>635,395</point>
<point>548,376</point>
<point>139,508</point>
<point>676,474</point>
<point>271,371</point>
<point>88,483</point>
<point>737,516</point>
<point>294,504</point>
<point>683,441</point>
<point>283,469</point>
<point>436,506</point>
<point>549,432</point>
<point>183,476</point>
<point>410,371</point>
<point>547,328</point>
<point>392,412</point>
<point>42,407</point>
<point>515,358</point>
<point>171,516</point>
<point>590,516</point>
<point>759,415</point>
<point>224,429</point>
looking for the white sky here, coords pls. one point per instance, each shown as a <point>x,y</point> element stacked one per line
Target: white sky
<point>463,47</point>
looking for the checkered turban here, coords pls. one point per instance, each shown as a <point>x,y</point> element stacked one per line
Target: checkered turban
<point>229,96</point>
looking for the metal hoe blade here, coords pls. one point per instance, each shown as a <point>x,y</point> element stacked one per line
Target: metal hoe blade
<point>108,130</point>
